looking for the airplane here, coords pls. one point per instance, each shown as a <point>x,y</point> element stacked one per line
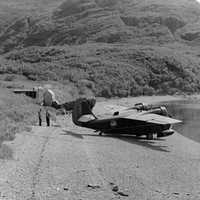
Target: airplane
<point>143,122</point>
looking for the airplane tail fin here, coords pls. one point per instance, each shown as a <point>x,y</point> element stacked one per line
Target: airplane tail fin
<point>82,106</point>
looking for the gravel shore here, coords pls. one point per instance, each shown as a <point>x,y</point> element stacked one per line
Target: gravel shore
<point>69,162</point>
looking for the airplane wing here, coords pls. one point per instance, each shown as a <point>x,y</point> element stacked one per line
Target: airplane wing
<point>153,118</point>
<point>110,110</point>
<point>113,108</point>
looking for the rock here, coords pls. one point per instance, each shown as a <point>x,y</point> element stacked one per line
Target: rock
<point>122,194</point>
<point>111,183</point>
<point>176,193</point>
<point>115,188</point>
<point>93,186</point>
<point>65,188</point>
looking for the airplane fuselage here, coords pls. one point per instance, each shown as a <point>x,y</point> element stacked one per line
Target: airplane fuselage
<point>128,126</point>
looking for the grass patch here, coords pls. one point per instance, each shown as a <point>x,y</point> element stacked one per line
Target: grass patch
<point>17,113</point>
<point>6,152</point>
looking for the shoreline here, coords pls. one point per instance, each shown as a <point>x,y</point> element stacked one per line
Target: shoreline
<point>148,99</point>
<point>156,170</point>
<point>112,105</point>
<point>128,101</point>
<point>109,105</point>
<point>181,159</point>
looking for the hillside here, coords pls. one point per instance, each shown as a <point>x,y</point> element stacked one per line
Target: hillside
<point>11,10</point>
<point>108,47</point>
<point>109,70</point>
<point>17,114</point>
<point>109,21</point>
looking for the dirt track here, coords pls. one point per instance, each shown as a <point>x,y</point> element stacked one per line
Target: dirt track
<point>73,163</point>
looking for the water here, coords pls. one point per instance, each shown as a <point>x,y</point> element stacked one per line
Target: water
<point>189,112</point>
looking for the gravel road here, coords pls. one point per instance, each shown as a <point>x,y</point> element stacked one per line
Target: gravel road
<point>66,162</point>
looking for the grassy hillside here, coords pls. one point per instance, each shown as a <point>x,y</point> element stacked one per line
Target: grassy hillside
<point>11,10</point>
<point>110,70</point>
<point>108,21</point>
<point>17,112</point>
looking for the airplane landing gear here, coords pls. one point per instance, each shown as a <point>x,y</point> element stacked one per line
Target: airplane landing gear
<point>150,136</point>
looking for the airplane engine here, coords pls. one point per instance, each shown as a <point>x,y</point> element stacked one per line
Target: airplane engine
<point>162,110</point>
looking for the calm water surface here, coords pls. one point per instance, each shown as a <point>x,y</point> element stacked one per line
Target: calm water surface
<point>189,112</point>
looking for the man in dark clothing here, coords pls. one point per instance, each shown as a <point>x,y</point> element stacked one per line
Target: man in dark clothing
<point>48,118</point>
<point>40,117</point>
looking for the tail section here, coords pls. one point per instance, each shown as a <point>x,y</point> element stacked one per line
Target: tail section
<point>82,107</point>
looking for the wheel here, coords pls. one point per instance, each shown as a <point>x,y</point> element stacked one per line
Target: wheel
<point>137,136</point>
<point>159,135</point>
<point>150,136</point>
<point>100,133</point>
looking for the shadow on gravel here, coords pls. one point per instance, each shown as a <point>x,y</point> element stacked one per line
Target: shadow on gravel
<point>56,125</point>
<point>6,152</point>
<point>151,144</point>
<point>76,135</point>
<point>146,143</point>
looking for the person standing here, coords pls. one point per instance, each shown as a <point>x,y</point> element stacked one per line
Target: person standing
<point>48,118</point>
<point>40,117</point>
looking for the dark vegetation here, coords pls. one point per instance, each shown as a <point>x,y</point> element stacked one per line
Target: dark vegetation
<point>109,70</point>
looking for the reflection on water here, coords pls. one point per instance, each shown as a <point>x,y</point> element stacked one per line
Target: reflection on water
<point>189,112</point>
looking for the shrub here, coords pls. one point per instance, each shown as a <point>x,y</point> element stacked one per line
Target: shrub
<point>86,83</point>
<point>105,92</point>
<point>32,77</point>
<point>148,90</point>
<point>9,77</point>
